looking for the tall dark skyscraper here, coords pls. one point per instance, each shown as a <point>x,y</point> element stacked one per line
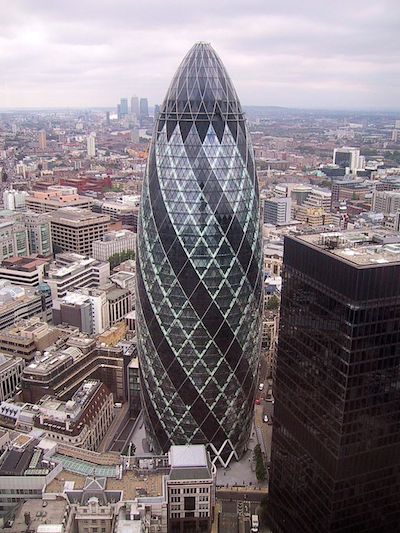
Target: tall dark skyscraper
<point>199,266</point>
<point>336,436</point>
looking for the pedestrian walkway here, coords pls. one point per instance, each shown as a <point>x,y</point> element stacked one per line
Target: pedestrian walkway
<point>241,472</point>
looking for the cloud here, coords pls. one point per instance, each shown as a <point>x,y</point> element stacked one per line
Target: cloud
<point>304,54</point>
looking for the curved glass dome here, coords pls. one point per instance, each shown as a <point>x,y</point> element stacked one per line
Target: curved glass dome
<point>199,266</point>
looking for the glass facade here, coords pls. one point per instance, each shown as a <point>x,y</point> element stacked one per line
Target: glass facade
<point>336,435</point>
<point>199,266</point>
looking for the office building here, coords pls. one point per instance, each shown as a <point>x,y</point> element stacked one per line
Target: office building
<point>86,309</point>
<point>135,106</point>
<point>61,372</point>
<point>39,233</point>
<point>123,107</point>
<point>27,337</point>
<point>75,230</point>
<point>352,190</point>
<point>336,438</point>
<point>124,209</point>
<point>199,296</point>
<point>23,475</point>
<point>74,310</point>
<point>114,242</point>
<point>277,211</point>
<point>191,489</point>
<point>17,302</point>
<point>56,197</point>
<point>313,216</point>
<point>348,158</point>
<point>298,192</point>
<point>144,108</point>
<point>14,200</point>
<point>42,142</point>
<point>386,202</point>
<point>73,271</point>
<point>13,239</point>
<point>10,375</point>
<point>120,304</point>
<point>81,421</point>
<point>88,183</point>
<point>26,271</point>
<point>318,198</point>
<point>91,145</point>
<point>125,280</point>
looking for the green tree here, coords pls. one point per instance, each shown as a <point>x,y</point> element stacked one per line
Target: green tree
<point>273,303</point>
<point>117,259</point>
<point>260,467</point>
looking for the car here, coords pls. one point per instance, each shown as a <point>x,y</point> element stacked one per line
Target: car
<point>258,402</point>
<point>261,386</point>
<point>269,400</point>
<point>266,419</point>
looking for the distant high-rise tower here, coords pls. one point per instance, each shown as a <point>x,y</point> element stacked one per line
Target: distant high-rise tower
<point>135,106</point>
<point>42,140</point>
<point>199,266</point>
<point>156,111</point>
<point>348,157</point>
<point>336,435</point>
<point>91,145</point>
<point>144,108</point>
<point>123,107</point>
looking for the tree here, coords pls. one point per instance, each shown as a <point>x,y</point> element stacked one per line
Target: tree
<point>117,259</point>
<point>273,303</point>
<point>260,467</point>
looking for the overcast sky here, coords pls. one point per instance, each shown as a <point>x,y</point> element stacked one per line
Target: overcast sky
<point>297,53</point>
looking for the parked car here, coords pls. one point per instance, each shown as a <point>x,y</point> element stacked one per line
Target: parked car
<point>261,386</point>
<point>266,419</point>
<point>258,402</point>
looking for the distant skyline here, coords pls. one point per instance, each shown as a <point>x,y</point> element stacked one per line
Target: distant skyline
<point>327,55</point>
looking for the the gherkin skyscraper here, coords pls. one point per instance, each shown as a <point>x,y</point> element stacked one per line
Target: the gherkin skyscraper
<point>199,266</point>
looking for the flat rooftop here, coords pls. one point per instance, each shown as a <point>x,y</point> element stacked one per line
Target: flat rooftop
<point>24,263</point>
<point>50,515</point>
<point>188,456</point>
<point>132,484</point>
<point>360,248</point>
<point>75,216</point>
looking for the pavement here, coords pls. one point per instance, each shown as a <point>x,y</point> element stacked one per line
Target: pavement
<point>234,516</point>
<point>120,418</point>
<point>241,472</point>
<point>246,494</point>
<point>138,437</point>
